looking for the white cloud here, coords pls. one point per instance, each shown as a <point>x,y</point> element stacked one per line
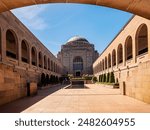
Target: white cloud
<point>30,16</point>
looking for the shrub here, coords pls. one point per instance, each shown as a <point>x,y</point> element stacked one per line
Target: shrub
<point>88,77</point>
<point>100,78</point>
<point>107,77</point>
<point>112,77</point>
<point>94,79</point>
<point>104,78</point>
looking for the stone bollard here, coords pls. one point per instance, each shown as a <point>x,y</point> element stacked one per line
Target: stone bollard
<point>123,88</point>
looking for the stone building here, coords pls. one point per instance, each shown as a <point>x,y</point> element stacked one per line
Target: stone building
<point>128,56</point>
<point>22,59</point>
<point>77,56</point>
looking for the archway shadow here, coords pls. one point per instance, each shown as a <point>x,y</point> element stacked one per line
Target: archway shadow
<point>20,105</point>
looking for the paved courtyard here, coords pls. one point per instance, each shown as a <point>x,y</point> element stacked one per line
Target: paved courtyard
<point>95,98</point>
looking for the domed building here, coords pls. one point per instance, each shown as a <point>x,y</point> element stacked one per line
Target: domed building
<point>78,56</point>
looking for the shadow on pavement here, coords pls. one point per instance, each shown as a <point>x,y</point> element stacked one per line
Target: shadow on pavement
<point>19,105</point>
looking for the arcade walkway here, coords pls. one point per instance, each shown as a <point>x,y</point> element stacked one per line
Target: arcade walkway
<point>95,98</point>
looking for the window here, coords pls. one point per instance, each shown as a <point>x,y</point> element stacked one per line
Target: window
<point>78,63</point>
<point>120,54</point>
<point>24,52</point>
<point>11,45</point>
<point>109,60</point>
<point>114,57</point>
<point>40,60</point>
<point>142,40</point>
<point>128,48</point>
<point>33,56</point>
<point>45,62</point>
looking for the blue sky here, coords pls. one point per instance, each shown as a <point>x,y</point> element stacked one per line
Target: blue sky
<point>54,24</point>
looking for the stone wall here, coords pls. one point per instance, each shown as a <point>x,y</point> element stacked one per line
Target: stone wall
<point>138,84</point>
<point>133,73</point>
<point>12,85</point>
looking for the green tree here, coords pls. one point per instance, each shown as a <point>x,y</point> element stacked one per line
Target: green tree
<point>112,77</point>
<point>107,77</point>
<point>94,79</point>
<point>104,78</point>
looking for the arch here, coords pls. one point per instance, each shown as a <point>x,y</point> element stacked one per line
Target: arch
<point>142,40</point>
<point>24,51</point>
<point>51,65</point>
<point>105,62</point>
<point>120,53</point>
<point>128,48</point>
<point>45,62</point>
<point>100,65</point>
<point>48,64</point>
<point>109,60</point>
<point>11,44</point>
<point>40,60</point>
<point>34,56</point>
<point>54,66</point>
<point>134,6</point>
<point>113,57</point>
<point>77,65</point>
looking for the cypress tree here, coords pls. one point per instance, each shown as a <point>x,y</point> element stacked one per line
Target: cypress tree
<point>107,78</point>
<point>99,78</point>
<point>104,77</point>
<point>112,77</point>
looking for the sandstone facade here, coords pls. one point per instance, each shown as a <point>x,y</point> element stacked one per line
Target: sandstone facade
<point>128,56</point>
<point>77,56</point>
<point>23,58</point>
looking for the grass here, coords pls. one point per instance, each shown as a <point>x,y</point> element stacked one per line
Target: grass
<point>107,83</point>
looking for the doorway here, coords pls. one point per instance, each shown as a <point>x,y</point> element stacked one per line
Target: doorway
<point>78,74</point>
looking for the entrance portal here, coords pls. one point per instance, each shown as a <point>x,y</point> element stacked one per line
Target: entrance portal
<point>77,66</point>
<point>78,74</point>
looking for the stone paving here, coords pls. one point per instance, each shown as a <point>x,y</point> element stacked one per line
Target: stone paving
<point>93,99</point>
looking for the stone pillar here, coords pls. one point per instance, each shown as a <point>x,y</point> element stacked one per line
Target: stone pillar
<point>30,58</point>
<point>111,61</point>
<point>117,57</point>
<point>37,59</point>
<point>3,46</point>
<point>19,42</point>
<point>43,61</point>
<point>123,51</point>
<point>134,47</point>
<point>47,62</point>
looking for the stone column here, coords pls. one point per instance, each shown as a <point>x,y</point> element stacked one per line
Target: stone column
<point>117,57</point>
<point>37,59</point>
<point>30,58</point>
<point>3,46</point>
<point>19,42</point>
<point>134,47</point>
<point>111,61</point>
<point>123,51</point>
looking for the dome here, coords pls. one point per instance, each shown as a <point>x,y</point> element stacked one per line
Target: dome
<point>77,39</point>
